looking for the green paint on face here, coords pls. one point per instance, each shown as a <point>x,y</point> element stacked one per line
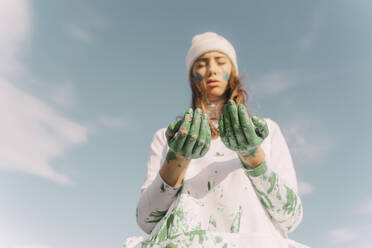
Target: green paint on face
<point>209,186</point>
<point>226,75</point>
<point>198,76</point>
<point>171,155</point>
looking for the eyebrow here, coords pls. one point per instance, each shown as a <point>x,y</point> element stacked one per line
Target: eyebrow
<point>206,59</point>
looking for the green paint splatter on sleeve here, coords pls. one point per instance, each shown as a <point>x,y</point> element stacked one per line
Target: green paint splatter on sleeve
<point>162,187</point>
<point>156,216</point>
<point>218,239</point>
<point>281,202</point>
<point>225,245</point>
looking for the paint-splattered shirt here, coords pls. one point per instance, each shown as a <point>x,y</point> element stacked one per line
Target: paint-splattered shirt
<point>220,203</point>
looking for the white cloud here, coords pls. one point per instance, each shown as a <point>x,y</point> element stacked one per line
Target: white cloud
<point>305,188</point>
<point>341,235</point>
<point>115,122</point>
<point>271,84</point>
<point>63,95</point>
<point>309,38</point>
<point>307,139</point>
<point>15,29</point>
<point>79,33</point>
<point>33,134</point>
<point>31,246</point>
<point>365,207</point>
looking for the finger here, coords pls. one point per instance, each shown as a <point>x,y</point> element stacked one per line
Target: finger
<point>261,126</point>
<point>201,139</point>
<point>172,129</point>
<point>236,127</point>
<point>193,133</point>
<point>221,130</point>
<point>228,129</point>
<point>208,139</point>
<point>177,143</point>
<point>246,123</point>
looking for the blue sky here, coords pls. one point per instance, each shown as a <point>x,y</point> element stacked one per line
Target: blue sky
<point>85,84</point>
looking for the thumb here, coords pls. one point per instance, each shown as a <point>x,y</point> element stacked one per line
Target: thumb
<point>261,129</point>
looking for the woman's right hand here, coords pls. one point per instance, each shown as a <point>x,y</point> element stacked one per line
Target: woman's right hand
<point>190,137</point>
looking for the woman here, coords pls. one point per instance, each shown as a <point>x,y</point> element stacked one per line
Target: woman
<point>219,177</point>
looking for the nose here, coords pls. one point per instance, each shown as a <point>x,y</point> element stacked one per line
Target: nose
<point>212,68</point>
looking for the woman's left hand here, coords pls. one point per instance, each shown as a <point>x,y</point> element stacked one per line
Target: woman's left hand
<point>237,131</point>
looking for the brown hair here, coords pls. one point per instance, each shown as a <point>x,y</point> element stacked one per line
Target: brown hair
<point>234,91</point>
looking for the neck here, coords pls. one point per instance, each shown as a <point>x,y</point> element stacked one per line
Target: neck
<point>214,107</point>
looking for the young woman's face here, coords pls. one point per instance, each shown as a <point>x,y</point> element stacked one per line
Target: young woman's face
<point>215,69</point>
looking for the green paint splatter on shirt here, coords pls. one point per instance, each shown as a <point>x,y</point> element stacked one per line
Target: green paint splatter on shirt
<point>219,154</point>
<point>218,239</point>
<point>162,187</point>
<point>235,226</point>
<point>209,186</point>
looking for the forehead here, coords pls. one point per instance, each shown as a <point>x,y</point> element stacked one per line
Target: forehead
<point>212,54</point>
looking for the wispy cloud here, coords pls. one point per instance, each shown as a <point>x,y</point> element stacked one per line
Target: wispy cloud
<point>305,188</point>
<point>31,246</point>
<point>309,38</point>
<point>307,139</point>
<point>15,30</point>
<point>271,83</point>
<point>32,133</point>
<point>64,94</point>
<point>115,122</point>
<point>341,235</point>
<point>364,207</point>
<point>79,33</point>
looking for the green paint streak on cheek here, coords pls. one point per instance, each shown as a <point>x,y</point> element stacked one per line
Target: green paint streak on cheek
<point>198,76</point>
<point>226,75</point>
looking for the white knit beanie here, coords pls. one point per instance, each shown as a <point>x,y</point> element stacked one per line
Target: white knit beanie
<point>209,41</point>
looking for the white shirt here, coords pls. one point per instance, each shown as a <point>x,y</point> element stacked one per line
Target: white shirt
<point>219,203</point>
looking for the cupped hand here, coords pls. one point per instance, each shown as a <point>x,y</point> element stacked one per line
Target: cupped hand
<point>238,132</point>
<point>190,137</point>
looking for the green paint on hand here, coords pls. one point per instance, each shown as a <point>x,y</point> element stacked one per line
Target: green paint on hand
<point>171,155</point>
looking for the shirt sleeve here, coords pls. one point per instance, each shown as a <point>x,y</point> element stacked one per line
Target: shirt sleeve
<point>276,184</point>
<point>156,195</point>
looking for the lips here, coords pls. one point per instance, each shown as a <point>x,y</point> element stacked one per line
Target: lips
<point>212,81</point>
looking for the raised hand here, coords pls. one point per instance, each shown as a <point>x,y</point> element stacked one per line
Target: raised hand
<point>191,136</point>
<point>237,131</point>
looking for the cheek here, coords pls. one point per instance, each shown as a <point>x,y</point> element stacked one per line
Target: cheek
<point>198,76</point>
<point>225,74</point>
